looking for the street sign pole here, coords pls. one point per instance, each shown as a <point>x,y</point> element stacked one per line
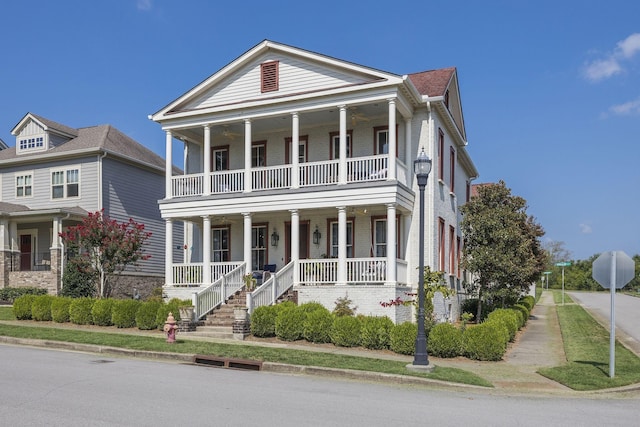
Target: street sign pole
<point>563,265</point>
<point>612,333</point>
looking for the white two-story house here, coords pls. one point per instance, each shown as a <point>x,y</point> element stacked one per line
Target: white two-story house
<point>54,176</point>
<point>303,164</point>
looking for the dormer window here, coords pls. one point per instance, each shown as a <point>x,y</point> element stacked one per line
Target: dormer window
<point>269,76</point>
<point>31,143</point>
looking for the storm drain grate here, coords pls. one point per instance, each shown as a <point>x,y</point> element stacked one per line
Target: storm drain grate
<point>228,362</point>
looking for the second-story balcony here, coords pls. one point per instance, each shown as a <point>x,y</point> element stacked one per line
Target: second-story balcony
<point>310,174</point>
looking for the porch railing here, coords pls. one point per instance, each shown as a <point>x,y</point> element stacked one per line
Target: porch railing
<point>272,289</point>
<point>318,271</point>
<point>214,295</point>
<point>360,169</point>
<point>191,274</point>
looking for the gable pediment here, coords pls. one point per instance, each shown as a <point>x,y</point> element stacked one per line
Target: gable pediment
<point>299,73</point>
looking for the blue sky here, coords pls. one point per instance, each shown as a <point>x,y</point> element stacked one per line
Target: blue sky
<point>550,89</point>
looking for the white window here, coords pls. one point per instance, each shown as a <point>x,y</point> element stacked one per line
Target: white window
<point>31,143</point>
<point>220,244</point>
<point>380,238</point>
<point>258,246</point>
<point>65,183</point>
<point>334,239</point>
<point>335,144</point>
<point>24,185</point>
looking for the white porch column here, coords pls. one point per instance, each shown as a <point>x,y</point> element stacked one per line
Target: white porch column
<point>295,244</point>
<point>342,165</point>
<point>342,246</point>
<point>168,252</point>
<point>168,164</point>
<point>248,184</point>
<point>206,167</point>
<point>392,246</point>
<point>247,241</point>
<point>57,229</point>
<point>13,231</point>
<point>206,250</point>
<point>407,145</point>
<point>295,151</point>
<point>393,143</point>
<point>4,234</point>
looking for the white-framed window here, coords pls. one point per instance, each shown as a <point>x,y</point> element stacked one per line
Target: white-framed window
<point>302,149</point>
<point>259,154</point>
<point>220,158</point>
<point>382,139</point>
<point>380,238</point>
<point>258,246</point>
<point>335,144</point>
<point>65,183</point>
<point>220,251</point>
<point>24,184</point>
<point>31,143</point>
<point>333,226</point>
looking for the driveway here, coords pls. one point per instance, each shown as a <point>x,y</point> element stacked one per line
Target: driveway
<point>627,311</point>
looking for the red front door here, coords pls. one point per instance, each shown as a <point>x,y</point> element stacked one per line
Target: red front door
<point>25,252</point>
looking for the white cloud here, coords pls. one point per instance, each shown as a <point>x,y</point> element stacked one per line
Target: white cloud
<point>612,63</point>
<point>585,228</point>
<point>628,108</point>
<point>144,5</point>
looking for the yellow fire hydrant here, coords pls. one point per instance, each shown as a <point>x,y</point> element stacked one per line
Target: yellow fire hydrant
<point>170,328</point>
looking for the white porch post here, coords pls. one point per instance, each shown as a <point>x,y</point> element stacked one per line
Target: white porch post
<point>206,167</point>
<point>295,150</point>
<point>206,250</point>
<point>57,229</point>
<point>168,164</point>
<point>295,244</point>
<point>342,165</point>
<point>247,241</point>
<point>408,160</point>
<point>392,248</point>
<point>4,234</point>
<point>168,252</point>
<point>13,230</point>
<point>393,144</point>
<point>342,246</point>
<point>248,184</point>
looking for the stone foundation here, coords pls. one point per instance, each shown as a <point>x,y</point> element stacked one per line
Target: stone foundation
<point>241,329</point>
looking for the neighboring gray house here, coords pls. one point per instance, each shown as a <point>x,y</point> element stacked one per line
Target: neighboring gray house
<point>54,176</point>
<point>3,144</point>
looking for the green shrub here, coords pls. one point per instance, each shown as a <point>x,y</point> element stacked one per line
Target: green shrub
<point>101,312</point>
<point>123,312</point>
<point>403,338</point>
<point>375,332</point>
<point>509,318</point>
<point>471,306</point>
<point>290,323</point>
<point>343,307</point>
<point>80,311</point>
<point>147,314</point>
<point>486,341</point>
<point>60,309</point>
<point>309,307</point>
<point>10,294</point>
<point>528,301</point>
<point>263,321</point>
<point>170,307</point>
<point>317,326</point>
<point>524,311</point>
<point>345,331</point>
<point>22,306</point>
<point>78,280</point>
<point>445,340</point>
<point>519,317</point>
<point>41,308</point>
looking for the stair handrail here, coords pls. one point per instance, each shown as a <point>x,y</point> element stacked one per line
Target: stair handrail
<point>211,297</point>
<point>272,288</point>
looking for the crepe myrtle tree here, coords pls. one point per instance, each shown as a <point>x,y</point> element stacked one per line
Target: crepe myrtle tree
<point>104,247</point>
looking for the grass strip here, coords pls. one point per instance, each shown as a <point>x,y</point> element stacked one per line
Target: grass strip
<point>242,351</point>
<point>586,345</point>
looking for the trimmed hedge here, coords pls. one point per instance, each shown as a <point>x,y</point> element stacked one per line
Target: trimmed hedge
<point>101,312</point>
<point>263,321</point>
<point>486,341</point>
<point>317,326</point>
<point>123,312</point>
<point>80,311</point>
<point>11,294</point>
<point>375,332</point>
<point>345,331</point>
<point>147,314</point>
<point>445,340</point>
<point>22,306</point>
<point>41,308</point>
<point>403,338</point>
<point>509,318</point>
<point>163,311</point>
<point>290,323</point>
<point>528,301</point>
<point>60,309</point>
<point>524,310</point>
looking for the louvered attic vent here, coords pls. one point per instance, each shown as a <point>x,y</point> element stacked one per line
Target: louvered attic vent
<point>269,76</point>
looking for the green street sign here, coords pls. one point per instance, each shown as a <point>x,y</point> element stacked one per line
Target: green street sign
<point>546,272</point>
<point>563,264</point>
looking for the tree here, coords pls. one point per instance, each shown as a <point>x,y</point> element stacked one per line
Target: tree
<point>106,247</point>
<point>502,246</point>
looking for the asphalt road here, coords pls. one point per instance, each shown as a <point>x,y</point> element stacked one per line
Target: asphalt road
<point>43,387</point>
<point>627,312</point>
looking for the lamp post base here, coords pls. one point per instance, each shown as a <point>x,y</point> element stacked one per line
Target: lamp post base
<point>421,368</point>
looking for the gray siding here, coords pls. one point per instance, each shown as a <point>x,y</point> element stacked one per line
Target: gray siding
<point>131,192</point>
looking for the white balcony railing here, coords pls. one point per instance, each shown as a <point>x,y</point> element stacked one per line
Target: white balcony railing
<point>360,169</point>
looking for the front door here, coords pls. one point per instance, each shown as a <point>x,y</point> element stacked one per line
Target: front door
<point>304,240</point>
<point>25,252</point>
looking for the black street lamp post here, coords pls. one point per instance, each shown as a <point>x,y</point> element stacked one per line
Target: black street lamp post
<point>421,167</point>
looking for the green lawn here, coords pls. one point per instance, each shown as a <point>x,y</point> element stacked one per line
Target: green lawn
<point>586,345</point>
<point>288,356</point>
